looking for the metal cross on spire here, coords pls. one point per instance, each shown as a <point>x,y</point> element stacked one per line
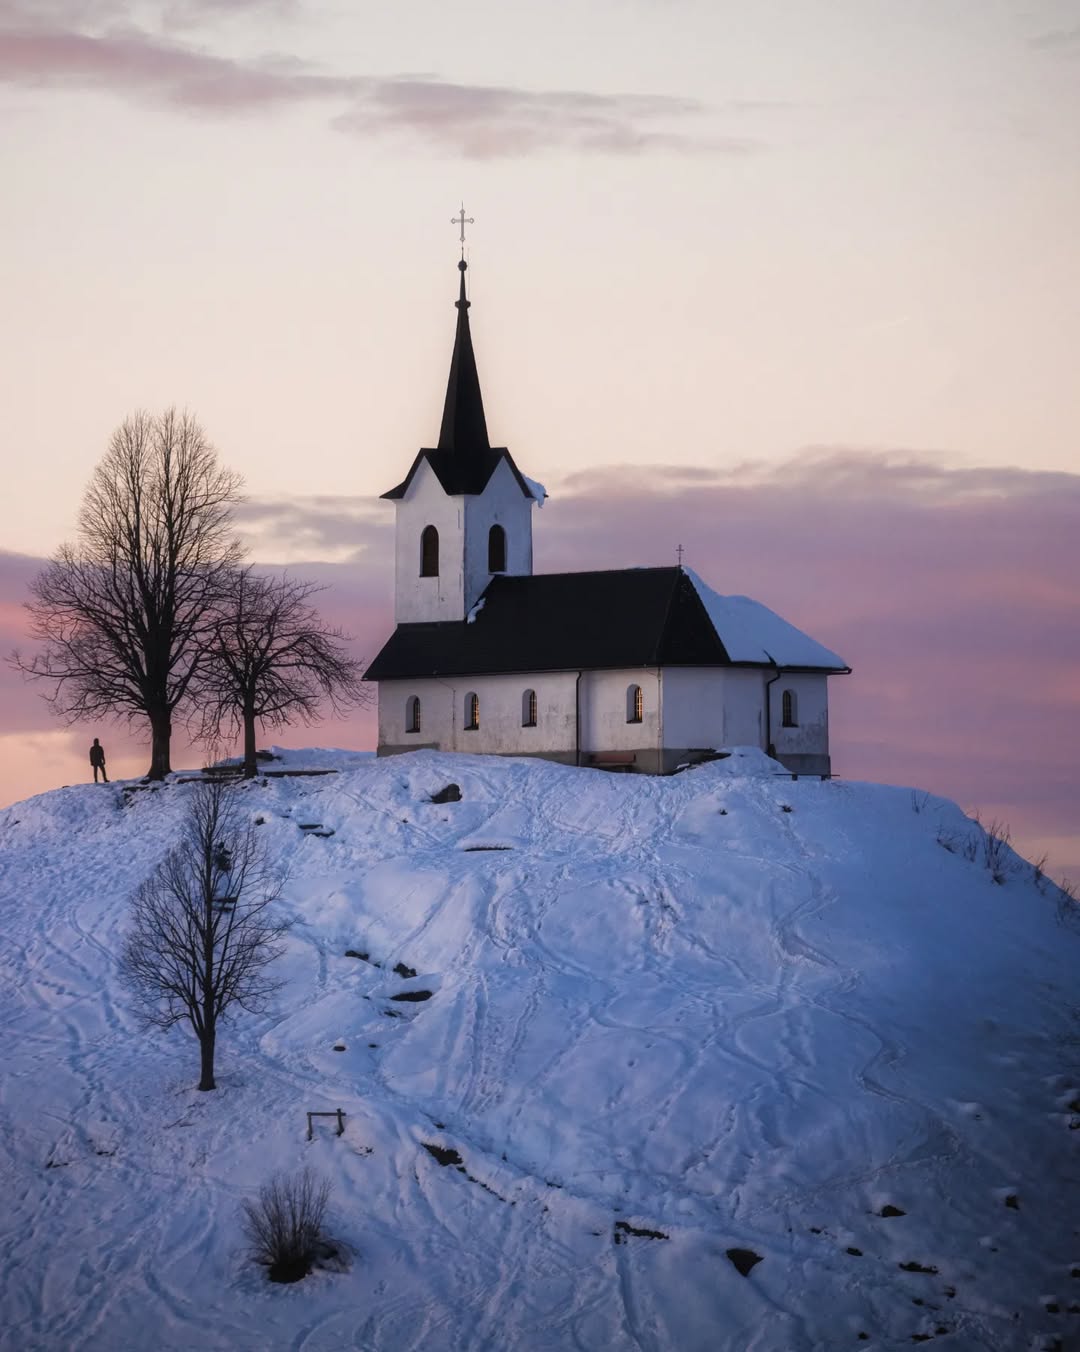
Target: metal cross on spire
<point>463,221</point>
<point>679,551</point>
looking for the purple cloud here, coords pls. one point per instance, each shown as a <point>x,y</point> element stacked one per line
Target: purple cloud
<point>53,49</point>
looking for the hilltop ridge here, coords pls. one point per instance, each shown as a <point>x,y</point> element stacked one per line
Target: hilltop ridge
<point>654,1021</point>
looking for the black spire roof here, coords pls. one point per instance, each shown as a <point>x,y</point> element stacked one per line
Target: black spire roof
<point>464,459</point>
<point>464,428</point>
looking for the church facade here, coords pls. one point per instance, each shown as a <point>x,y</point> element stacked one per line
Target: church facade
<point>640,669</point>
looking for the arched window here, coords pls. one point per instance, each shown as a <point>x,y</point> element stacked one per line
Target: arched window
<point>429,552</point>
<point>528,709</point>
<point>789,710</point>
<point>412,714</point>
<point>496,550</point>
<point>472,712</point>
<point>635,704</point>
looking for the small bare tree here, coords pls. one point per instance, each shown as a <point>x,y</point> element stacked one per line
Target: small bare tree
<point>121,615</point>
<point>270,657</point>
<point>203,932</point>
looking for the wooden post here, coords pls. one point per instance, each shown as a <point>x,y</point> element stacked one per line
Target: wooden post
<point>333,1112</point>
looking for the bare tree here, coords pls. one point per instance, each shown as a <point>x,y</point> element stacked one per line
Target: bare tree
<point>122,614</point>
<point>203,932</point>
<point>271,658</point>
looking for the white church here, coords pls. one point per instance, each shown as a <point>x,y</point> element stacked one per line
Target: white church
<point>635,669</point>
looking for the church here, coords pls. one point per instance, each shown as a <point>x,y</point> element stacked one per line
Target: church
<point>634,669</point>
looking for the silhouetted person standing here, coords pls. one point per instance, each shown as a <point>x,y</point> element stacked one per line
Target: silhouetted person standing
<point>97,760</point>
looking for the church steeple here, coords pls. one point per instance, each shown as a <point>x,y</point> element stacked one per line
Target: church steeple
<point>463,434</point>
<point>464,510</point>
<point>464,459</point>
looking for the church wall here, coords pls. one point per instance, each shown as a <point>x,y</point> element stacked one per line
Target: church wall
<point>744,708</point>
<point>683,710</point>
<point>419,598</point>
<point>604,725</point>
<point>500,732</point>
<point>810,738</point>
<point>501,503</point>
<point>693,711</point>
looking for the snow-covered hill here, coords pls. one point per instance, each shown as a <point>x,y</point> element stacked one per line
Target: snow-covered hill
<point>726,1009</point>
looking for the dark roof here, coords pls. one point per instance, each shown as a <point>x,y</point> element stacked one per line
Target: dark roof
<point>632,617</point>
<point>464,459</point>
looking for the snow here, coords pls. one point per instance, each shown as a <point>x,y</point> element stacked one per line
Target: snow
<point>537,490</point>
<point>751,632</point>
<point>476,609</point>
<point>663,1004</point>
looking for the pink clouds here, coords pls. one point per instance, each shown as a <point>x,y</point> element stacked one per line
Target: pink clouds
<point>52,49</point>
<point>953,593</point>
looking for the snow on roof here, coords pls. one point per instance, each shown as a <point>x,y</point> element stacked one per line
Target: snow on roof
<point>538,491</point>
<point>752,632</point>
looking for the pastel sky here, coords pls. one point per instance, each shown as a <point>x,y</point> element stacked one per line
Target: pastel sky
<point>795,283</point>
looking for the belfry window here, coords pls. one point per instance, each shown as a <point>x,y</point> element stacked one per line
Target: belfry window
<point>429,552</point>
<point>789,710</point>
<point>472,712</point>
<point>412,714</point>
<point>496,550</point>
<point>528,709</point>
<point>635,704</point>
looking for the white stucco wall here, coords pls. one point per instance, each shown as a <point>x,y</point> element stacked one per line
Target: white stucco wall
<point>603,710</point>
<point>463,524</point>
<point>744,708</point>
<point>501,503</point>
<point>706,707</point>
<point>693,706</point>
<point>419,598</point>
<point>687,708</point>
<point>811,736</point>
<point>442,704</point>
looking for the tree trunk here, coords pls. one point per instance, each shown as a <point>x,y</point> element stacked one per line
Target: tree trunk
<point>160,734</point>
<point>206,1052</point>
<point>251,768</point>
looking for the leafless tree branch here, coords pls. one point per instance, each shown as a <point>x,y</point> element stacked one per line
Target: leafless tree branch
<point>271,658</point>
<point>203,928</point>
<point>122,615</point>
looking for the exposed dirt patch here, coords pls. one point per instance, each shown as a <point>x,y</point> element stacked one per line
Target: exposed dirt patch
<point>450,1159</point>
<point>917,1267</point>
<point>444,1155</point>
<point>481,849</point>
<point>358,953</point>
<point>624,1228</point>
<point>451,794</point>
<point>744,1260</point>
<point>889,1210</point>
<point>404,971</point>
<point>413,996</point>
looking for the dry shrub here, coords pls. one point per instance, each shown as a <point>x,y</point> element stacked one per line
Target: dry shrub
<point>285,1226</point>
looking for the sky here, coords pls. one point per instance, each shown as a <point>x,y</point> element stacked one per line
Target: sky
<point>793,284</point>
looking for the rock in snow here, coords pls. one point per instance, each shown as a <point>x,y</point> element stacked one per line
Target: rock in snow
<point>667,1025</point>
